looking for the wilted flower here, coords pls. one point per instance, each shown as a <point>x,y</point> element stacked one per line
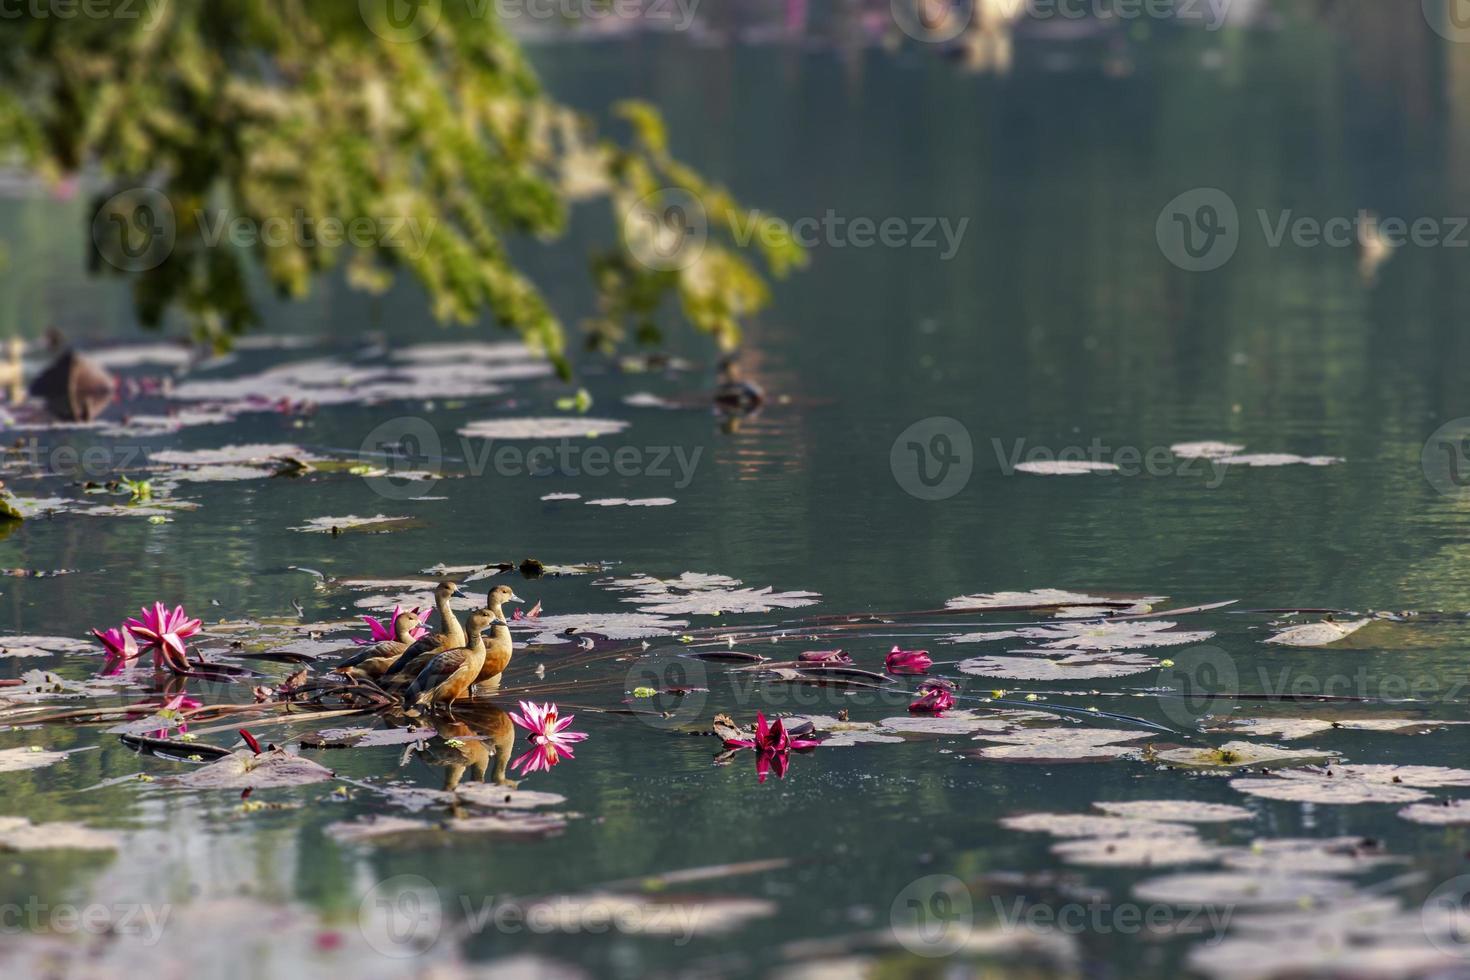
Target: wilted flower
<point>772,745</point>
<point>907,661</point>
<point>164,632</point>
<point>380,633</point>
<point>549,738</point>
<point>122,648</point>
<point>834,657</point>
<point>932,700</point>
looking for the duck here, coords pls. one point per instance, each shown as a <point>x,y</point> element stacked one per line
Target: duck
<point>451,637</point>
<point>469,743</point>
<point>448,676</point>
<point>372,661</point>
<point>736,394</point>
<point>501,646</point>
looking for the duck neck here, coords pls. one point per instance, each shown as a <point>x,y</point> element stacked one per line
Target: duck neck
<point>402,631</point>
<point>452,627</point>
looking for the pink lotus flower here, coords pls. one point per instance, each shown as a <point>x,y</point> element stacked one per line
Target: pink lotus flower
<point>549,738</point>
<point>907,661</point>
<point>172,709</point>
<point>122,649</point>
<point>533,613</point>
<point>932,700</point>
<point>772,745</point>
<point>390,632</point>
<point>164,633</point>
<point>833,657</point>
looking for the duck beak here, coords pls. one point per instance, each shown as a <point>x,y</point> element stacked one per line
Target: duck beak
<point>459,594</point>
<point>515,598</point>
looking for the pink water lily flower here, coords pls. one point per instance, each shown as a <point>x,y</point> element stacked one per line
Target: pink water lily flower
<point>932,701</point>
<point>550,739</point>
<point>164,633</point>
<point>834,657</point>
<point>772,745</point>
<point>380,633</point>
<point>122,649</point>
<point>907,661</point>
<point>533,613</point>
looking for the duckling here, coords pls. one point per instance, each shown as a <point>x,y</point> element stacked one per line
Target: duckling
<point>451,637</point>
<point>500,647</point>
<point>448,676</point>
<point>371,661</point>
<point>735,393</point>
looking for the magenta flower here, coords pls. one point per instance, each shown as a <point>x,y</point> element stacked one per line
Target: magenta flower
<point>831,657</point>
<point>390,632</point>
<point>164,633</point>
<point>533,613</point>
<point>122,649</point>
<point>772,745</point>
<point>932,700</point>
<point>907,661</point>
<point>550,739</point>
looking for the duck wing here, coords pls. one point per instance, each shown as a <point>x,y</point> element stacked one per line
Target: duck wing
<point>385,648</point>
<point>432,643</point>
<point>439,670</point>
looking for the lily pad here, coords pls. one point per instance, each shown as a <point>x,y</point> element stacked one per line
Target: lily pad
<point>1137,852</point>
<point>377,524</point>
<point>19,834</point>
<point>1238,890</point>
<point>43,646</point>
<point>26,758</point>
<point>697,593</point>
<point>1205,450</point>
<point>1075,667</point>
<point>1306,855</point>
<point>1333,786</point>
<point>1444,813</point>
<point>1065,467</point>
<point>1047,745</point>
<point>258,453</point>
<point>1175,811</point>
<point>557,427</point>
<point>407,831</point>
<point>625,502</point>
<point>1126,635</point>
<point>506,798</point>
<point>1092,825</point>
<point>1294,728</point>
<point>1240,755</point>
<point>1317,634</point>
<point>1040,599</point>
<point>246,770</point>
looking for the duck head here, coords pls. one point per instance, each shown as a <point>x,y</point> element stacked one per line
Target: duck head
<point>500,595</point>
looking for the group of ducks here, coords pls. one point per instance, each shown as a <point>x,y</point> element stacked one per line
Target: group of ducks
<point>443,667</point>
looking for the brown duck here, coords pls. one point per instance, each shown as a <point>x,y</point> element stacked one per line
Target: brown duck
<point>451,637</point>
<point>499,648</point>
<point>448,676</point>
<point>372,661</point>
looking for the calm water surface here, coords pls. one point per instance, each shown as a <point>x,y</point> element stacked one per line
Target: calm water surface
<point>1058,323</point>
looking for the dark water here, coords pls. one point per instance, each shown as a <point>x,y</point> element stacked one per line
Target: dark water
<point>1059,322</point>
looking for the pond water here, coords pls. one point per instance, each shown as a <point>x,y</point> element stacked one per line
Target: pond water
<point>1058,327</point>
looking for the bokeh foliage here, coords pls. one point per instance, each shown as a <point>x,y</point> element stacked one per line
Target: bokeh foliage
<point>295,111</point>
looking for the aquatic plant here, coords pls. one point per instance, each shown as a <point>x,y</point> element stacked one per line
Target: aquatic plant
<point>121,646</point>
<point>932,701</point>
<point>550,739</point>
<point>383,634</point>
<point>164,632</point>
<point>907,661</point>
<point>772,745</point>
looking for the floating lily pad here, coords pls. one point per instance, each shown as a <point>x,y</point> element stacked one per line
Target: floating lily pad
<point>19,834</point>
<point>26,758</point>
<point>377,524</point>
<point>695,593</point>
<point>557,427</point>
<point>1092,825</point>
<point>257,453</point>
<point>613,626</point>
<point>1294,728</point>
<point>1205,450</point>
<point>1045,745</point>
<point>837,734</point>
<point>506,798</point>
<point>1445,813</point>
<point>365,738</point>
<point>1126,635</point>
<point>1074,667</point>
<point>1137,852</point>
<point>1317,634</point>
<point>1278,459</point>
<point>1240,755</point>
<point>561,496</point>
<point>1042,599</point>
<point>244,769</point>
<point>1238,890</point>
<point>665,915</point>
<point>1313,856</point>
<point>1338,786</point>
<point>1175,811</point>
<point>625,502</point>
<point>43,646</point>
<point>1065,467</point>
<point>407,831</point>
